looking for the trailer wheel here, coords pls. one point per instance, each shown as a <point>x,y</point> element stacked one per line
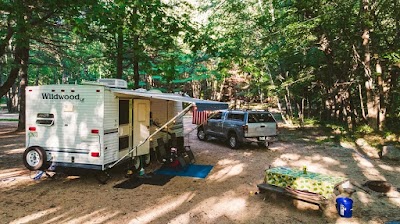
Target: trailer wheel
<point>146,159</point>
<point>35,158</point>
<point>136,163</point>
<point>102,177</point>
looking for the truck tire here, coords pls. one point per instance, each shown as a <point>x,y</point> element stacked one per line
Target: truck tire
<point>201,134</point>
<point>264,144</point>
<point>35,158</point>
<point>233,141</point>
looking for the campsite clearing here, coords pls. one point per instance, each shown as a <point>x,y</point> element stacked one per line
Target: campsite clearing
<point>229,193</point>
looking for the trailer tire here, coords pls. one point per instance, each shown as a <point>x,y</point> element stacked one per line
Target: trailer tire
<point>35,158</point>
<point>136,163</point>
<point>146,159</point>
<point>102,177</point>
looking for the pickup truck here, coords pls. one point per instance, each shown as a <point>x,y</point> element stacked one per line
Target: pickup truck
<point>238,127</point>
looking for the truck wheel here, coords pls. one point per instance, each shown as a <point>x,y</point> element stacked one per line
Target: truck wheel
<point>233,141</point>
<point>201,134</point>
<point>264,144</point>
<point>35,158</point>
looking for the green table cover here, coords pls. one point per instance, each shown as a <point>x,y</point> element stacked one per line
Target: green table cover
<point>306,181</point>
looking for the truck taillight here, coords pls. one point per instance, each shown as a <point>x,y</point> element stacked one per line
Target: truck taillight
<point>95,131</point>
<point>95,154</point>
<point>32,128</point>
<point>245,128</point>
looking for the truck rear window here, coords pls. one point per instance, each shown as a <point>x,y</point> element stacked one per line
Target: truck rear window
<point>215,116</point>
<point>237,117</point>
<point>260,118</point>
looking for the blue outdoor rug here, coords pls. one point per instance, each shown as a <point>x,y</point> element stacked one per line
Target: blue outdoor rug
<point>192,170</point>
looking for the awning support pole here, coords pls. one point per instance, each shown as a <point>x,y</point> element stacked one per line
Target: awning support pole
<point>150,136</point>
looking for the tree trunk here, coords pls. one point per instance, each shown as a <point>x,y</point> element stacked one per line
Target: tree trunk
<point>393,84</point>
<point>372,101</point>
<point>196,89</point>
<point>12,100</point>
<point>13,72</point>
<point>362,102</point>
<point>383,89</point>
<point>5,41</point>
<point>221,89</point>
<point>120,50</point>
<point>23,84</point>
<point>337,106</point>
<point>1,74</point>
<point>277,96</point>
<point>372,97</point>
<point>352,110</point>
<point>136,77</point>
<point>288,103</point>
<point>300,108</point>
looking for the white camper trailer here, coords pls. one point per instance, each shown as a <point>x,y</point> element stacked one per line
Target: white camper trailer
<point>99,124</point>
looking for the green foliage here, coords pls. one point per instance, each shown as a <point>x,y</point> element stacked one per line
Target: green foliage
<point>393,122</point>
<point>310,50</point>
<point>311,121</point>
<point>337,128</point>
<point>364,129</point>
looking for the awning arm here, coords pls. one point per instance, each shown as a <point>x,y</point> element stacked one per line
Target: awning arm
<point>150,136</point>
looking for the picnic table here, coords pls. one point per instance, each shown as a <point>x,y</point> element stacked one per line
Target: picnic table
<point>308,186</point>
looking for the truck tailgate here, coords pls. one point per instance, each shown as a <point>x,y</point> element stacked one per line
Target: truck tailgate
<point>261,129</point>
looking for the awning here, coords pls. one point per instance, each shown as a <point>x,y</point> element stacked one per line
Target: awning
<point>200,104</point>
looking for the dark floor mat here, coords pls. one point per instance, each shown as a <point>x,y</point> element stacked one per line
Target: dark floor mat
<point>150,179</point>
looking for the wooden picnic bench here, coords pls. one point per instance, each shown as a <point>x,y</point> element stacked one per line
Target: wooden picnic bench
<point>306,186</point>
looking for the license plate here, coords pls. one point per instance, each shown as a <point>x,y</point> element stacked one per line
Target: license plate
<point>33,134</point>
<point>261,138</point>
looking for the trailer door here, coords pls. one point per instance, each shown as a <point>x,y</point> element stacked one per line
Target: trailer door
<point>141,125</point>
<point>125,125</point>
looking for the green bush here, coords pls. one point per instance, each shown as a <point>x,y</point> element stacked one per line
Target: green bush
<point>364,129</point>
<point>393,124</point>
<point>311,121</point>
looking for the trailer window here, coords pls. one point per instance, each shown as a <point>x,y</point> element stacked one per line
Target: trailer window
<point>123,143</point>
<point>124,112</point>
<point>45,119</point>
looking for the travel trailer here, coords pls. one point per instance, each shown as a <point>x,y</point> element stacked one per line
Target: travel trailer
<point>97,125</point>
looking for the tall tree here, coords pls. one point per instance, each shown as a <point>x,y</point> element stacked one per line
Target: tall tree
<point>26,20</point>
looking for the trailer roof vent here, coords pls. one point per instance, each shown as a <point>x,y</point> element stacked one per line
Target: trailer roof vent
<point>140,90</point>
<point>154,91</point>
<point>115,83</point>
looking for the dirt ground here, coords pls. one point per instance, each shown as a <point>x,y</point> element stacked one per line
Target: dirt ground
<point>229,194</point>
